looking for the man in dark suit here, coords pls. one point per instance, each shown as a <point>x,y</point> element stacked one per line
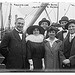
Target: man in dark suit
<point>67,52</point>
<point>13,47</point>
<point>62,34</point>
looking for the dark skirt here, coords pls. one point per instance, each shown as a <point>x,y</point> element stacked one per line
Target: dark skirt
<point>37,63</point>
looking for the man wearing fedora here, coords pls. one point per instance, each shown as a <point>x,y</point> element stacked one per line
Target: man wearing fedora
<point>67,52</point>
<point>62,34</point>
<point>45,24</point>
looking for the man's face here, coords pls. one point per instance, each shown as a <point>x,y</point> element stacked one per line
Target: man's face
<point>20,24</point>
<point>44,25</point>
<point>63,23</point>
<point>71,28</point>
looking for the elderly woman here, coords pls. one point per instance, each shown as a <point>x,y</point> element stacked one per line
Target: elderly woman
<point>35,47</point>
<point>52,47</point>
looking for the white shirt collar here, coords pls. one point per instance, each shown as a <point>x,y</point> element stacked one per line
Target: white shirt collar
<point>17,30</point>
<point>51,40</point>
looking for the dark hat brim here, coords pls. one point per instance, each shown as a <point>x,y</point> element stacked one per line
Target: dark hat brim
<point>31,28</point>
<point>66,26</point>
<point>56,25</point>
<point>63,20</point>
<point>44,21</point>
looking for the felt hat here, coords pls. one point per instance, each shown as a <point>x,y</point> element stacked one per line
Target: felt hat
<point>31,28</point>
<point>70,21</point>
<point>64,18</point>
<point>56,25</point>
<point>44,20</point>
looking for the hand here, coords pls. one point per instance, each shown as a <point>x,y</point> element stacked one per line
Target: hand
<point>31,64</point>
<point>31,67</point>
<point>43,67</point>
<point>43,64</point>
<point>31,61</point>
<point>66,61</point>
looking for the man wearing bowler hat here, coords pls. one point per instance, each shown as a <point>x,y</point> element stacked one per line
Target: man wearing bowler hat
<point>62,34</point>
<point>45,24</point>
<point>67,52</point>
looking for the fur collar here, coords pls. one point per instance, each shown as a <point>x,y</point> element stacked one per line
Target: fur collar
<point>34,38</point>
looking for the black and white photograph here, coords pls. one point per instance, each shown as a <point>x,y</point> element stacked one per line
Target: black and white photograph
<point>37,37</point>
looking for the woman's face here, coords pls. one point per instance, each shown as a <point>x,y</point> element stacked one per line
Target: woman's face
<point>36,31</point>
<point>52,33</point>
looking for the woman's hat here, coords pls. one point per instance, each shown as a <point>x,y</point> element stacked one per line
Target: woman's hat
<point>70,21</point>
<point>31,28</point>
<point>53,28</point>
<point>64,18</point>
<point>44,20</point>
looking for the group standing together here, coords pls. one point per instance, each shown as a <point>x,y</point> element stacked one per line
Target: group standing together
<point>44,48</point>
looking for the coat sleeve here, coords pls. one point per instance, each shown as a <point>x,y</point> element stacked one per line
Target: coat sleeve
<point>4,45</point>
<point>29,53</point>
<point>61,53</point>
<point>72,53</point>
<point>72,60</point>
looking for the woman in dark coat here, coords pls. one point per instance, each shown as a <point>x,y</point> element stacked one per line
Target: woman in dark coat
<point>35,47</point>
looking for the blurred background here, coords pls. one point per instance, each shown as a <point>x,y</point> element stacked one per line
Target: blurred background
<point>33,12</point>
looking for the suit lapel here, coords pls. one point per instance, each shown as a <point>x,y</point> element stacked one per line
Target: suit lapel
<point>54,45</point>
<point>73,47</point>
<point>62,35</point>
<point>49,47</point>
<point>16,35</point>
<point>23,37</point>
<point>67,38</point>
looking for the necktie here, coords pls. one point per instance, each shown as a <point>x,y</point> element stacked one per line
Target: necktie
<point>20,34</point>
<point>64,31</point>
<point>71,37</point>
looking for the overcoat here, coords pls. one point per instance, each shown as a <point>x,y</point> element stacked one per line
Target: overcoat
<point>64,51</point>
<point>52,55</point>
<point>14,50</point>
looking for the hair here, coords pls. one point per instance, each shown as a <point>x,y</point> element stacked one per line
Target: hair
<point>52,30</point>
<point>18,19</point>
<point>36,28</point>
